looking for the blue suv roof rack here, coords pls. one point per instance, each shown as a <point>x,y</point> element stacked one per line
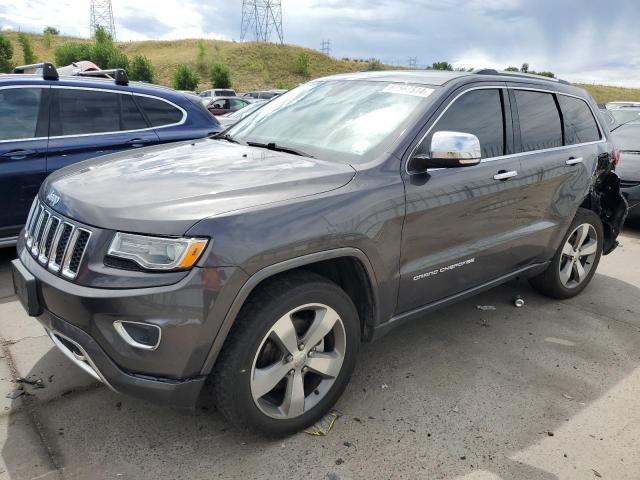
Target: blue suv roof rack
<point>49,72</point>
<point>492,71</point>
<point>118,74</point>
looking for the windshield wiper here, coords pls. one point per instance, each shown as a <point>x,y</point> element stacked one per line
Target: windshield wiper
<point>279,148</point>
<point>226,137</point>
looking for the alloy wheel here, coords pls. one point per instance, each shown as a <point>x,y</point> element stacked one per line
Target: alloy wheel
<point>578,255</point>
<point>298,361</point>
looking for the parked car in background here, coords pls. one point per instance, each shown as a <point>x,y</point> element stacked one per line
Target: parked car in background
<point>256,262</point>
<point>231,119</point>
<point>223,105</point>
<point>189,92</point>
<point>626,136</point>
<point>263,95</point>
<point>48,121</point>
<point>218,92</point>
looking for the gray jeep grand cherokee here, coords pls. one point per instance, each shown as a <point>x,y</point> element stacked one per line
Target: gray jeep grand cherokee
<point>256,262</point>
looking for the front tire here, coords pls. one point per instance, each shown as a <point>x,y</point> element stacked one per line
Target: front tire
<point>289,355</point>
<point>574,264</point>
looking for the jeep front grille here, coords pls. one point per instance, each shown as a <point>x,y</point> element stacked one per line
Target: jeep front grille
<point>56,243</point>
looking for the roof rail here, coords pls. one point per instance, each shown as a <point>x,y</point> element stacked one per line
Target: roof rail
<point>118,74</point>
<point>49,72</point>
<point>493,71</point>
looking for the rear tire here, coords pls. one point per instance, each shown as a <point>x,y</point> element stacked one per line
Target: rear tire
<point>574,264</point>
<point>266,379</point>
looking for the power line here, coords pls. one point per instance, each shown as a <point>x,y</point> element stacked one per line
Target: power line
<point>413,62</point>
<point>326,47</point>
<point>260,18</point>
<point>101,15</point>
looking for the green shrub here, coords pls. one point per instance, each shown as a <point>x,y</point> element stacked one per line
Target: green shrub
<point>51,30</point>
<point>69,52</point>
<point>441,66</point>
<point>48,35</point>
<point>184,78</point>
<point>27,49</point>
<point>118,59</point>
<point>6,52</point>
<point>220,76</point>
<point>140,69</point>
<point>301,64</point>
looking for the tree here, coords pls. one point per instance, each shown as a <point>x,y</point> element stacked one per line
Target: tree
<point>140,69</point>
<point>200,58</point>
<point>69,52</point>
<point>512,69</point>
<point>220,76</point>
<point>441,66</point>
<point>27,49</point>
<point>301,64</point>
<point>6,52</point>
<point>48,35</point>
<point>374,64</point>
<point>546,74</point>
<point>185,78</point>
<point>524,68</point>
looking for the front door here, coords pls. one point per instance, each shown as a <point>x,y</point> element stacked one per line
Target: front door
<point>23,153</point>
<point>460,221</point>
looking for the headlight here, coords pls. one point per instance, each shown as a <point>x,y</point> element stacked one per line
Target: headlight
<point>157,253</point>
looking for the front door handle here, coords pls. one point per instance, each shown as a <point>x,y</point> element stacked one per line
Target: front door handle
<point>504,175</point>
<point>574,161</point>
<point>19,154</point>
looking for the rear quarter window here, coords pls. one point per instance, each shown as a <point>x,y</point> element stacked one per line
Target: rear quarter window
<point>540,126</point>
<point>579,124</point>
<point>159,112</point>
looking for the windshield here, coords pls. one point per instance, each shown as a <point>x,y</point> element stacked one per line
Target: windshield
<point>349,121</point>
<point>626,115</point>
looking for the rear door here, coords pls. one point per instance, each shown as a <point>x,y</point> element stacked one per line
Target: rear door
<point>23,151</point>
<point>557,136</point>
<point>460,222</point>
<point>87,123</point>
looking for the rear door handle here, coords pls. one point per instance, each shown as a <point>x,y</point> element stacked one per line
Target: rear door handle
<point>137,142</point>
<point>502,175</point>
<point>19,154</point>
<point>574,161</point>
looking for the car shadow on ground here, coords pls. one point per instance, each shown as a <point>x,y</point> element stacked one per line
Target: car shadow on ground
<point>464,389</point>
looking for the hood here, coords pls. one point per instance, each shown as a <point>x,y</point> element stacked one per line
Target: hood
<point>166,189</point>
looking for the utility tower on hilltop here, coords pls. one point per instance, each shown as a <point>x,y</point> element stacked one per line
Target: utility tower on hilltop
<point>260,18</point>
<point>102,16</point>
<point>326,47</point>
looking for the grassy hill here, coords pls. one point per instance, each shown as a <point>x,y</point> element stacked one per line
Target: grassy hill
<point>253,65</point>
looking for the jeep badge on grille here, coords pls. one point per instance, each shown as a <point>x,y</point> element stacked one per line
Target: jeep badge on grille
<point>53,199</point>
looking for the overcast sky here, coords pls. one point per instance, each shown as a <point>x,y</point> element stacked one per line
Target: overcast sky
<point>580,40</point>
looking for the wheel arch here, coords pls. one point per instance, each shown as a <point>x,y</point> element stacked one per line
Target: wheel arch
<point>342,266</point>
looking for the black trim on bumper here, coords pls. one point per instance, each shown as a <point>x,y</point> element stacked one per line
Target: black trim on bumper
<point>175,393</point>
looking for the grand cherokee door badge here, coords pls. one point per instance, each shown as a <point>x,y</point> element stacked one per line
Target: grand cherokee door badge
<point>444,269</point>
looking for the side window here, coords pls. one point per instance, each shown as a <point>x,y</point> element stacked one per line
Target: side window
<point>159,112</point>
<point>540,126</point>
<point>237,104</point>
<point>88,111</point>
<point>478,112</point>
<point>132,119</point>
<point>579,124</point>
<point>19,110</point>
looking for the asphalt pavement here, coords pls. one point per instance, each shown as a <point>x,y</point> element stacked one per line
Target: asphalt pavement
<point>547,391</point>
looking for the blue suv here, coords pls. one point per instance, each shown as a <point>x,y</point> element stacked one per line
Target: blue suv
<point>48,122</point>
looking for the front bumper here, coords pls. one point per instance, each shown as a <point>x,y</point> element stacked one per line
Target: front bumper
<point>83,350</point>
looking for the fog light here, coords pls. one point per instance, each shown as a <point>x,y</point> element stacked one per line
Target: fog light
<point>139,335</point>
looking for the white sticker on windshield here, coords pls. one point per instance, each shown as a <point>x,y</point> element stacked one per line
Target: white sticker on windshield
<point>414,90</point>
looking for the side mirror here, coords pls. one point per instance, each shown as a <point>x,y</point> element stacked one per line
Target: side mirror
<point>448,150</point>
